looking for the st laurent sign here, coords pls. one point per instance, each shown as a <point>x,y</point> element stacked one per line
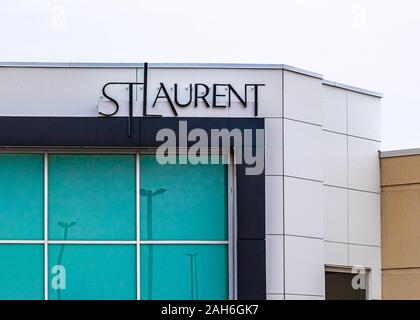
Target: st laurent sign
<point>205,94</point>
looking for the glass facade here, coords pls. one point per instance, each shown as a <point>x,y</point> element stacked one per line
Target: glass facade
<point>184,272</point>
<point>93,271</point>
<point>183,202</point>
<point>118,226</point>
<point>94,192</point>
<point>21,193</point>
<point>22,271</point>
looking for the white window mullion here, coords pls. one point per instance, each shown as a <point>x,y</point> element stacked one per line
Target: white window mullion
<point>46,273</point>
<point>231,229</point>
<point>138,290</point>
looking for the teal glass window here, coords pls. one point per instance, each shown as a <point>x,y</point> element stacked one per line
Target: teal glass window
<point>91,197</point>
<point>193,272</point>
<point>22,272</point>
<point>183,201</point>
<point>21,196</point>
<point>91,240</point>
<point>93,272</point>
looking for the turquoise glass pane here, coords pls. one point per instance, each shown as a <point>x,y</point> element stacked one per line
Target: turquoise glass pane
<point>21,196</point>
<point>195,272</point>
<point>92,272</point>
<point>183,201</point>
<point>92,197</point>
<point>21,272</point>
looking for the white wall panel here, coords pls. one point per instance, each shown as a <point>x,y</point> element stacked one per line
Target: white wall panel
<point>336,254</point>
<point>274,146</point>
<point>334,101</point>
<point>335,214</point>
<point>364,114</point>
<point>304,266</point>
<point>364,165</point>
<point>274,259</point>
<point>303,201</point>
<point>335,159</point>
<point>302,98</point>
<point>303,150</point>
<point>274,204</point>
<point>364,218</point>
<point>59,91</point>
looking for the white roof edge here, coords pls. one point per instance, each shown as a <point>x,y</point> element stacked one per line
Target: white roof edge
<point>69,65</point>
<point>188,66</point>
<point>160,65</point>
<point>352,88</point>
<point>237,66</point>
<point>399,153</point>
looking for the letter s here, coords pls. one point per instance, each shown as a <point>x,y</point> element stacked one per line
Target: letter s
<point>117,107</point>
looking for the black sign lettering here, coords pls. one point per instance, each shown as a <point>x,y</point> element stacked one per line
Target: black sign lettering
<point>197,92</point>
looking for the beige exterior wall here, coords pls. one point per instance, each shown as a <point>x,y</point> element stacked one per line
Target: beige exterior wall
<point>400,203</point>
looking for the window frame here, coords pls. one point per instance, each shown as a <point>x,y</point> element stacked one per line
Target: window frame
<point>137,152</point>
<point>349,270</point>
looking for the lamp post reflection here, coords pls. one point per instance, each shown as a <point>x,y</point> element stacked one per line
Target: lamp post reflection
<point>149,194</point>
<point>193,274</point>
<point>66,226</point>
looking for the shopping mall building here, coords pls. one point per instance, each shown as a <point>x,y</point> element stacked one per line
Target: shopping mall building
<point>187,181</point>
